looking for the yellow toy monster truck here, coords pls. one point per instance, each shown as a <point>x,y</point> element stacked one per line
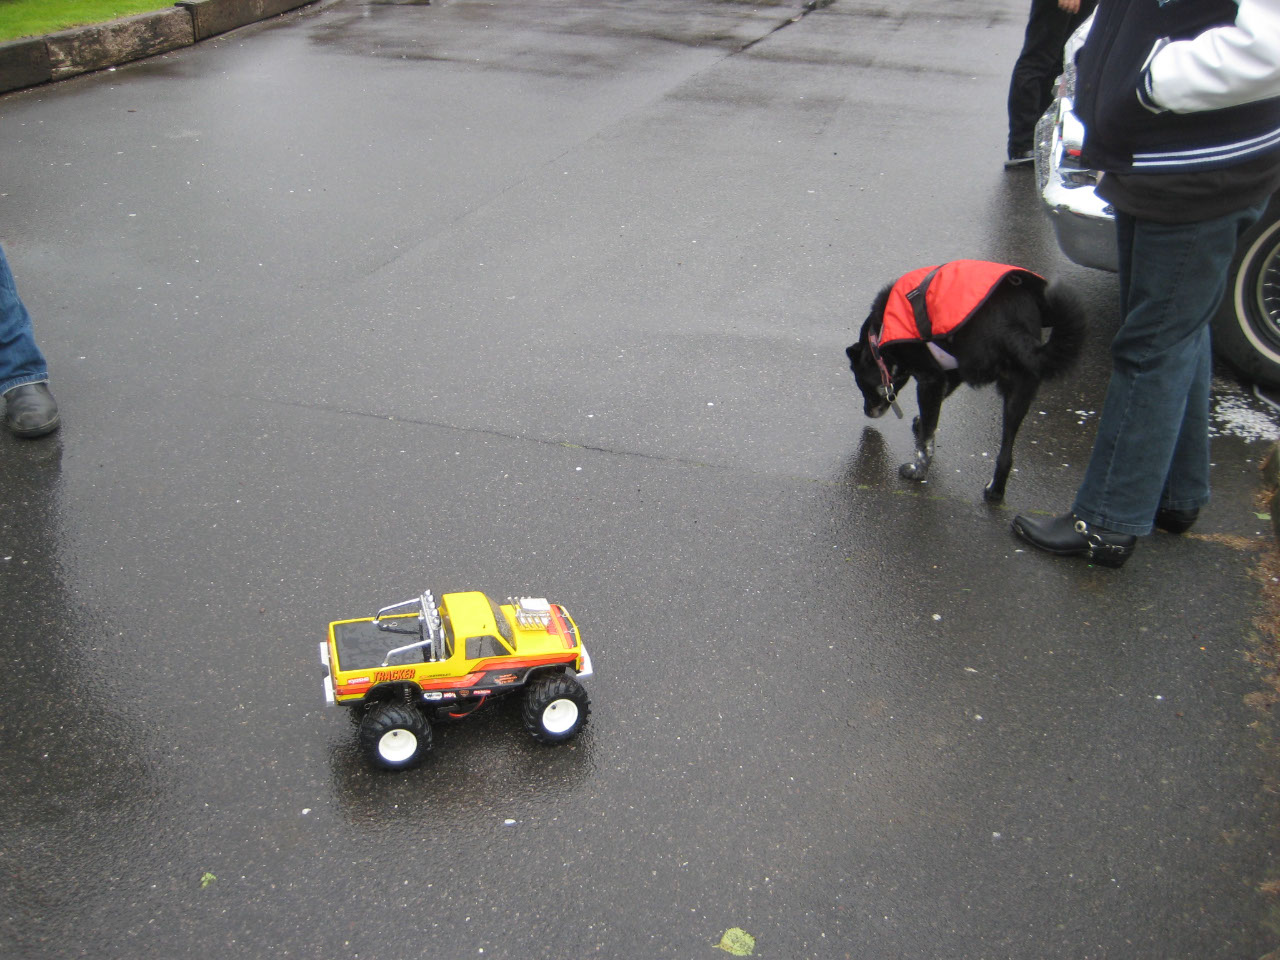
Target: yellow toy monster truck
<point>451,658</point>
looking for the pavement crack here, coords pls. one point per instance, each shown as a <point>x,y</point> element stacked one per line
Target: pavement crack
<point>497,434</point>
<point>809,7</point>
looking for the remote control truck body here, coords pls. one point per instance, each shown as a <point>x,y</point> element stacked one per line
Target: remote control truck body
<point>421,661</point>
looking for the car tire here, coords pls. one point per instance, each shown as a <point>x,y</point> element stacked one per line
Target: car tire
<point>1246,329</point>
<point>556,707</point>
<point>395,736</point>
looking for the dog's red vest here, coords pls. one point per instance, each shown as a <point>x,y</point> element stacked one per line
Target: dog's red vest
<point>934,301</point>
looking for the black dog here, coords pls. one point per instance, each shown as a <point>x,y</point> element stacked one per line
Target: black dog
<point>975,323</point>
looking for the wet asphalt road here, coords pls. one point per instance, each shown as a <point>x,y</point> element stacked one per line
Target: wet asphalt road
<point>551,297</point>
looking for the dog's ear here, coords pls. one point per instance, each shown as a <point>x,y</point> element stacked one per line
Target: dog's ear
<point>853,351</point>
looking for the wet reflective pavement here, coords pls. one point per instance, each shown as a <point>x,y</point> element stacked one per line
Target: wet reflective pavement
<point>551,297</point>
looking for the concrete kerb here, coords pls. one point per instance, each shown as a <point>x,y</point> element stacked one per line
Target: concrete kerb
<point>36,60</point>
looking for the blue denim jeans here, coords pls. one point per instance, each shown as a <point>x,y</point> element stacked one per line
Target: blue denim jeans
<point>1152,447</point>
<point>20,359</point>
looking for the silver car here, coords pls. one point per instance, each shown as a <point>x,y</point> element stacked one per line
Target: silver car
<point>1246,329</point>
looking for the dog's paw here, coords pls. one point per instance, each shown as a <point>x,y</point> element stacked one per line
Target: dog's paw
<point>991,495</point>
<point>914,471</point>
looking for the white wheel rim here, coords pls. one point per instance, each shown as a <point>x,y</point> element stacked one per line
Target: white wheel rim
<point>559,716</point>
<point>397,746</point>
<point>1242,294</point>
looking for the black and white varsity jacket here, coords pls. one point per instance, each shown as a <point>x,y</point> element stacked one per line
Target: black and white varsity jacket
<point>1167,86</point>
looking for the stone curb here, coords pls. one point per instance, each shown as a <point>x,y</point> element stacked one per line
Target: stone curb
<point>36,60</point>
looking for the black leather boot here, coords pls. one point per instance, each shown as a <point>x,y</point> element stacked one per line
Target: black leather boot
<point>30,410</point>
<point>1069,536</point>
<point>1176,521</point>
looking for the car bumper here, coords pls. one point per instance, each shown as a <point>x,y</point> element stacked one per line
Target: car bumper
<point>1083,222</point>
<point>1084,226</point>
<point>329,697</point>
<point>586,670</point>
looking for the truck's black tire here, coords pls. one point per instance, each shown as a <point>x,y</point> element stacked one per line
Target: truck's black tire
<point>556,707</point>
<point>1246,329</point>
<point>395,736</point>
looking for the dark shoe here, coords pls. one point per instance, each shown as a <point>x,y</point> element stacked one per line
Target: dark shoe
<point>1069,536</point>
<point>1020,159</point>
<point>1176,521</point>
<point>30,410</point>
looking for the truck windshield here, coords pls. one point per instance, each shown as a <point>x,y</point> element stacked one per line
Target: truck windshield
<point>504,628</point>
<point>446,628</point>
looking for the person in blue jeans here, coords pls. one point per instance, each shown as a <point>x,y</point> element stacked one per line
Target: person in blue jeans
<point>1181,106</point>
<point>30,410</point>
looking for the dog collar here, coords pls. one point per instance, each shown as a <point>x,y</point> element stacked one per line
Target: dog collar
<point>885,389</point>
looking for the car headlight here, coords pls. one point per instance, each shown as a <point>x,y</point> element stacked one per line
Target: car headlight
<point>1071,169</point>
<point>1067,81</point>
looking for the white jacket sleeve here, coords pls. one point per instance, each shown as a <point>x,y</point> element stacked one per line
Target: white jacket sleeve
<point>1222,67</point>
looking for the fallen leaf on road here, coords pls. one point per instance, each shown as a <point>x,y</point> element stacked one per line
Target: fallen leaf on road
<point>738,942</point>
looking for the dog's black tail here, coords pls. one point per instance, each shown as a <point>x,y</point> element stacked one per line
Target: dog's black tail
<point>1065,312</point>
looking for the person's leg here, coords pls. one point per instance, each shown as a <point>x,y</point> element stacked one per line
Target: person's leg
<point>30,410</point>
<point>1038,64</point>
<point>1153,432</point>
<point>20,359</point>
<point>1186,487</point>
<point>1160,356</point>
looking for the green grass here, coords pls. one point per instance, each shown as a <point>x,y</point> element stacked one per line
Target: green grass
<point>31,18</point>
